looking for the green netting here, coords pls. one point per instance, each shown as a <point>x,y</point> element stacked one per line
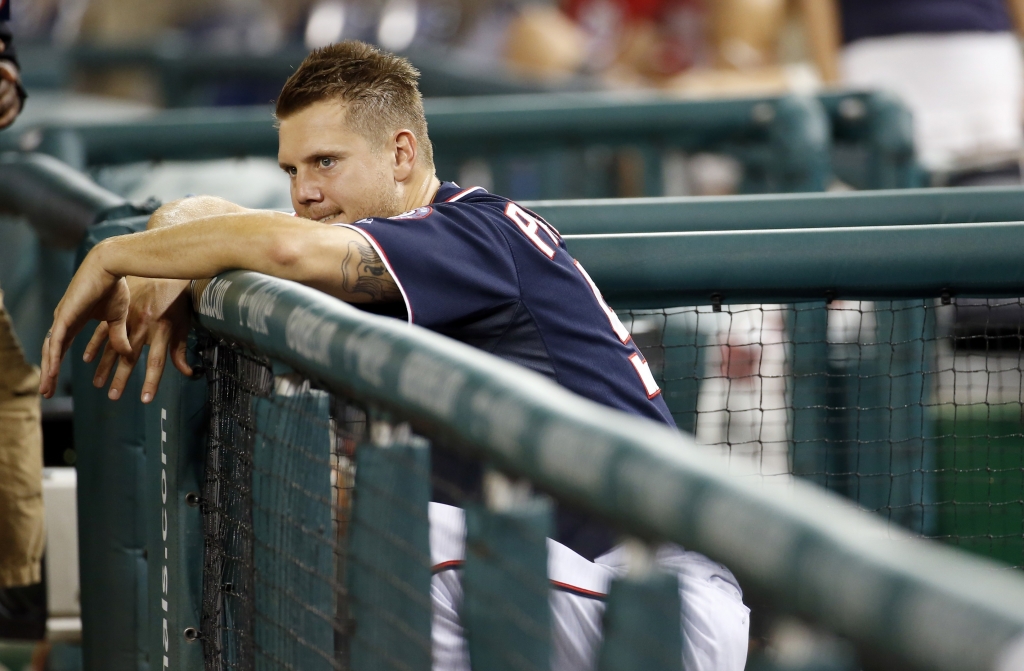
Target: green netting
<point>913,409</point>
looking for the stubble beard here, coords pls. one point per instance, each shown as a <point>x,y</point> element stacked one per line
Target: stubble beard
<point>383,202</point>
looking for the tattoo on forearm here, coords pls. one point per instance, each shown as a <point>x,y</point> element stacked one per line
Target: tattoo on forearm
<point>364,273</point>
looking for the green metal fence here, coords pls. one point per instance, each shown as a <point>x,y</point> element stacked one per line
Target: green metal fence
<point>551,146</point>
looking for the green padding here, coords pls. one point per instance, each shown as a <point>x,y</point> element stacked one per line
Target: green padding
<point>389,574</point>
<point>642,625</point>
<point>175,448</point>
<point>293,537</point>
<point>506,611</point>
<point>782,266</point>
<point>902,207</point>
<point>113,498</point>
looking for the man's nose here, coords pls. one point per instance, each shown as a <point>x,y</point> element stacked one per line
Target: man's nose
<point>307,191</point>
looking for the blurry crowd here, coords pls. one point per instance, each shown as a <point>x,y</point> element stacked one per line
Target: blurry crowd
<point>956,63</point>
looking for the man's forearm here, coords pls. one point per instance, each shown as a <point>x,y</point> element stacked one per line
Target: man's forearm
<point>263,241</point>
<point>335,260</point>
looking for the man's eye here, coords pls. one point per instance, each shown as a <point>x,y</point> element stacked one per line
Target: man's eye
<point>326,162</point>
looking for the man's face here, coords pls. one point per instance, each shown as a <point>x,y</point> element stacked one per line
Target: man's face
<point>337,175</point>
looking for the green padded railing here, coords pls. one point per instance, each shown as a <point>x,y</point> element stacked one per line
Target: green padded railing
<point>534,144</point>
<point>873,140</point>
<point>898,207</point>
<point>906,565</point>
<point>656,270</point>
<point>929,605</point>
<point>60,204</point>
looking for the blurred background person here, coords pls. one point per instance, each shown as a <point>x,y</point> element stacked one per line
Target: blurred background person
<point>21,444</point>
<point>12,94</point>
<point>955,63</point>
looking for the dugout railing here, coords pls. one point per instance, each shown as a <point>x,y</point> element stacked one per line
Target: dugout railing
<point>58,204</point>
<point>843,209</point>
<point>535,146</point>
<point>976,353</point>
<point>923,265</point>
<point>865,376</point>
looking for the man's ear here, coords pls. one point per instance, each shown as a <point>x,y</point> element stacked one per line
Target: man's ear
<point>405,154</point>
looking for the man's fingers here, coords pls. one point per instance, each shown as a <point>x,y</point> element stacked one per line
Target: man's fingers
<point>54,350</point>
<point>179,355</point>
<point>97,339</point>
<point>156,361</point>
<point>126,364</point>
<point>118,335</point>
<point>105,365</point>
<point>45,386</point>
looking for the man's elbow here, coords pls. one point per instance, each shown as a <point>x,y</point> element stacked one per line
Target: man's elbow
<point>188,209</point>
<point>285,255</point>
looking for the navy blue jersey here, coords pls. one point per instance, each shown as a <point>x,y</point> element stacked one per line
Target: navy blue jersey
<point>485,271</point>
<point>878,18</point>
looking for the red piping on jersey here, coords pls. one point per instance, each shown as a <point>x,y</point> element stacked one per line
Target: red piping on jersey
<point>462,193</point>
<point>578,591</point>
<point>562,586</point>
<point>445,565</point>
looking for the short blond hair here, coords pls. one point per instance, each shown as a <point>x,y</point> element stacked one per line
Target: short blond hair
<point>380,90</point>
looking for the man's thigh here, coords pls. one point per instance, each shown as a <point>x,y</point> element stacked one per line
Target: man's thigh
<point>21,463</point>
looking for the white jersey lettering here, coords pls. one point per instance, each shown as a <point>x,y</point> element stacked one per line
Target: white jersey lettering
<point>530,226</point>
<point>620,331</point>
<point>644,371</point>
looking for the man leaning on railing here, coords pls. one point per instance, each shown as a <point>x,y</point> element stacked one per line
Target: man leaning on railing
<point>465,263</point>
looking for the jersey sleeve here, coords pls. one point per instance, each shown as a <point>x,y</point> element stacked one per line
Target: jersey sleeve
<point>450,266</point>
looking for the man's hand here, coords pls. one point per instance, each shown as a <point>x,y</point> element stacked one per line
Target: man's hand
<point>10,101</point>
<point>158,317</point>
<point>93,293</point>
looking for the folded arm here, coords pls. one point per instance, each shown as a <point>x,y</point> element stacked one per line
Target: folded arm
<point>198,239</point>
<point>338,261</point>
